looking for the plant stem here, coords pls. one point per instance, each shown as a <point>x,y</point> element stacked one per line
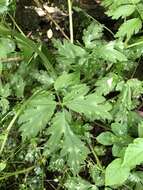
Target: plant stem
<point>134,44</point>
<point>17,172</point>
<point>14,22</point>
<point>8,130</point>
<point>70,21</point>
<point>96,157</point>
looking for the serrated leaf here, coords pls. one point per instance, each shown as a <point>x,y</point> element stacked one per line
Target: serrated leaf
<point>76,152</point>
<point>109,53</point>
<point>76,91</point>
<point>107,84</point>
<point>66,80</point>
<point>36,114</point>
<point>69,53</point>
<point>107,138</point>
<point>92,106</point>
<point>92,34</point>
<point>115,173</point>
<point>130,27</point>
<point>122,11</point>
<point>134,154</point>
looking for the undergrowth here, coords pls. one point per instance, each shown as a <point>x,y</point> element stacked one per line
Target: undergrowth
<point>71,118</point>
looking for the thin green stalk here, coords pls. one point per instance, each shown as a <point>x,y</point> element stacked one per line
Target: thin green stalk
<point>89,16</point>
<point>134,44</point>
<point>29,43</point>
<point>96,157</point>
<point>17,172</point>
<point>8,130</point>
<point>70,21</point>
<point>16,25</point>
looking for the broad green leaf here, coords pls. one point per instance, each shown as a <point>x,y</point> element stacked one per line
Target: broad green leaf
<point>66,80</point>
<point>107,138</point>
<point>36,115</point>
<point>93,106</point>
<point>122,11</point>
<point>92,34</point>
<point>115,173</point>
<point>130,27</point>
<point>60,131</point>
<point>133,154</point>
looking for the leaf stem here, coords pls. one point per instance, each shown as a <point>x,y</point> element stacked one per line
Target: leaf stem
<point>70,21</point>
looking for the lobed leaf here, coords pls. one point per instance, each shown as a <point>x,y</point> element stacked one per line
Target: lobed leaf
<point>36,115</point>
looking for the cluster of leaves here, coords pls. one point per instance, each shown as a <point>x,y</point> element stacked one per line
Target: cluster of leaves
<point>65,114</point>
<point>130,10</point>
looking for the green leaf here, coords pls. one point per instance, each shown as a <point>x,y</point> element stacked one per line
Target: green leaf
<point>4,5</point>
<point>66,80</point>
<point>76,91</point>
<point>2,166</point>
<point>134,154</point>
<point>130,27</point>
<point>69,53</point>
<point>122,11</point>
<point>140,129</point>
<point>118,150</point>
<point>92,34</point>
<point>93,106</point>
<point>107,138</point>
<point>119,129</point>
<point>36,115</point>
<point>109,53</point>
<point>115,173</point>
<point>76,152</point>
<point>6,46</point>
<point>78,183</point>
<point>4,105</point>
<point>106,84</point>
<point>97,175</point>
